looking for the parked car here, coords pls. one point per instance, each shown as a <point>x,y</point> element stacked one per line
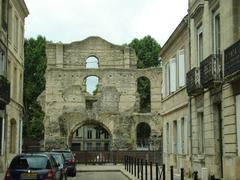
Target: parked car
<point>70,161</point>
<point>60,159</point>
<point>38,166</point>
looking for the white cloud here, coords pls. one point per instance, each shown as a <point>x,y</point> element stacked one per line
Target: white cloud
<point>116,21</point>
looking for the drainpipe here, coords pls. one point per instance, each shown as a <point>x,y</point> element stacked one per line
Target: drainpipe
<point>190,98</point>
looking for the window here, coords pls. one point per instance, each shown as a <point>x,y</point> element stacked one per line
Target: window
<point>2,63</point>
<point>182,135</point>
<point>16,32</point>
<point>92,62</point>
<point>4,14</point>
<point>216,32</point>
<point>173,79</point>
<point>13,134</point>
<point>200,133</point>
<point>167,79</point>
<point>77,133</point>
<point>21,41</point>
<point>238,122</point>
<point>144,91</point>
<point>20,89</point>
<point>175,137</point>
<point>89,134</point>
<point>89,146</point>
<point>168,137</point>
<point>199,44</point>
<point>10,12</point>
<point>181,68</point>
<point>98,146</point>
<point>98,134</point>
<point>92,85</point>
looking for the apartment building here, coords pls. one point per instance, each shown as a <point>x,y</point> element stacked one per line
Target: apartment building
<point>12,16</point>
<point>175,64</point>
<point>209,99</point>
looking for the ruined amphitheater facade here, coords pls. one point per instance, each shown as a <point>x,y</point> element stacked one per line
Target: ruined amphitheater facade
<point>114,106</point>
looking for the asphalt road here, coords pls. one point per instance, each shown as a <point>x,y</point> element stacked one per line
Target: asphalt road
<point>99,176</point>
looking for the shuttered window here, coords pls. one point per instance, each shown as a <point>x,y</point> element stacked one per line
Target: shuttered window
<point>181,68</point>
<point>173,79</point>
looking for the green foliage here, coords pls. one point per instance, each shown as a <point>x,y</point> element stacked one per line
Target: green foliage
<point>147,51</point>
<point>34,84</point>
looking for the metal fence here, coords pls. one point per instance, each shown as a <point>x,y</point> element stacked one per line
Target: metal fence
<point>101,157</point>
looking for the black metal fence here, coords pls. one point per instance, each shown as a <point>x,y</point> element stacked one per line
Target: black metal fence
<point>102,157</point>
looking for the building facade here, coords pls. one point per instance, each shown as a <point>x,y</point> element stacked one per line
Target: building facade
<point>174,112</point>
<point>13,13</point>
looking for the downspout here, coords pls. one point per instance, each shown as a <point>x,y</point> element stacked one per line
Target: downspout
<point>190,98</point>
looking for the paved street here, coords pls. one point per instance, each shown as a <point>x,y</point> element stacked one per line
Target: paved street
<point>99,176</point>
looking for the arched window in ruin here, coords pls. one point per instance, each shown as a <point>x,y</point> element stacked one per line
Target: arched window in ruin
<point>92,85</point>
<point>92,62</point>
<point>13,135</point>
<point>144,91</point>
<point>91,137</point>
<point>143,135</point>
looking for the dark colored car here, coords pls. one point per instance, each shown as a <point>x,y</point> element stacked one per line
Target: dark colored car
<point>39,166</point>
<point>60,159</point>
<point>70,160</point>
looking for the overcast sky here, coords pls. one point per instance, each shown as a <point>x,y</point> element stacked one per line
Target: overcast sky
<point>117,21</point>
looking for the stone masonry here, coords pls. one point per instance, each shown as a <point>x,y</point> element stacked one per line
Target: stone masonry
<point>116,103</point>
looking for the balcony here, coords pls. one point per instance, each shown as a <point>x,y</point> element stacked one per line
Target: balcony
<point>211,71</point>
<point>4,92</point>
<point>232,62</point>
<point>194,86</point>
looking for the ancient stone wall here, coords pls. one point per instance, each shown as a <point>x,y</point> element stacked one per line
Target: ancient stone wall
<point>115,106</point>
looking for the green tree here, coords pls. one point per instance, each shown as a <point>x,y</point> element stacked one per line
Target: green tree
<point>147,51</point>
<point>34,84</point>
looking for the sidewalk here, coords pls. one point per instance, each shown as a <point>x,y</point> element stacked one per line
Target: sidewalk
<point>105,168</point>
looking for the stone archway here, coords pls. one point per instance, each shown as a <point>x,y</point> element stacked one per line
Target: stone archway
<point>143,132</point>
<point>90,135</point>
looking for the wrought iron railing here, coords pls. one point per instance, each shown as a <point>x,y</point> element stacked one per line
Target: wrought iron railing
<point>4,92</point>
<point>194,86</point>
<point>232,60</point>
<point>211,70</point>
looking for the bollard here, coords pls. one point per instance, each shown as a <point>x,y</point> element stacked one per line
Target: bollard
<point>151,171</point>
<point>195,175</point>
<point>182,174</point>
<point>171,173</point>
<point>135,166</point>
<point>127,162</point>
<point>156,170</point>
<point>146,171</point>
<point>163,171</point>
<point>132,165</point>
<point>138,168</point>
<point>141,169</point>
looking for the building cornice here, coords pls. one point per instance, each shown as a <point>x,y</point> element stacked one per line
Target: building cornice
<point>176,33</point>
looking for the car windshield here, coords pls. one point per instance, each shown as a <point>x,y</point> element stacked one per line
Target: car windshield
<point>58,158</point>
<point>30,162</point>
<point>67,155</point>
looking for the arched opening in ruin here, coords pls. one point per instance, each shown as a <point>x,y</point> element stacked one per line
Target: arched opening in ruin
<point>143,135</point>
<point>92,85</point>
<point>92,62</point>
<point>91,136</point>
<point>144,91</point>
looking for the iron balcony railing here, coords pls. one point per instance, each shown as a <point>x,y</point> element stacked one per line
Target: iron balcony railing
<point>4,92</point>
<point>194,86</point>
<point>232,60</point>
<point>211,71</point>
